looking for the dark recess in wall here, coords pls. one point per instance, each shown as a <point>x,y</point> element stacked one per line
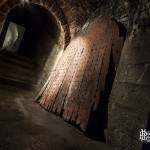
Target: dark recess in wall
<point>99,119</point>
<point>38,23</point>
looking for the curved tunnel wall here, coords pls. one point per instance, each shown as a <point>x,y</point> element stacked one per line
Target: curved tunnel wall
<point>76,83</point>
<point>37,21</point>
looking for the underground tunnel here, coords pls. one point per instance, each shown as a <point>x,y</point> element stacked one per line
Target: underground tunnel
<point>32,34</point>
<point>74,75</point>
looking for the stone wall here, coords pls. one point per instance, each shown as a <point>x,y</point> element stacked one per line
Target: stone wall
<point>51,5</point>
<point>129,104</point>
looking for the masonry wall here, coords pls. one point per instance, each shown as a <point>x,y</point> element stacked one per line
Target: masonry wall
<point>129,104</point>
<point>76,84</point>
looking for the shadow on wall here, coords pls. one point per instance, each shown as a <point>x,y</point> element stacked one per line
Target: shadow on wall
<point>99,119</point>
<point>84,76</point>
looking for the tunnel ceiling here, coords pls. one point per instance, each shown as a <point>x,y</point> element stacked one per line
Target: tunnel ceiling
<point>77,11</point>
<point>71,13</point>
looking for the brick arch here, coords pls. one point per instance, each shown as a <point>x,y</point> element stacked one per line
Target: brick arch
<point>51,5</point>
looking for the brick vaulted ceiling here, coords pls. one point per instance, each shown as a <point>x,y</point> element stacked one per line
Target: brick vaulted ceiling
<point>77,11</point>
<point>71,14</point>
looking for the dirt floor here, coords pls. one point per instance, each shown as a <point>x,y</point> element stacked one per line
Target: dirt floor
<point>25,125</point>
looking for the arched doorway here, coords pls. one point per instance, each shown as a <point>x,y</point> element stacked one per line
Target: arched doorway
<point>80,86</point>
<point>31,34</point>
<point>97,125</point>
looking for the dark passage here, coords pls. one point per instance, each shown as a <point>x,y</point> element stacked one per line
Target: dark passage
<point>28,37</point>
